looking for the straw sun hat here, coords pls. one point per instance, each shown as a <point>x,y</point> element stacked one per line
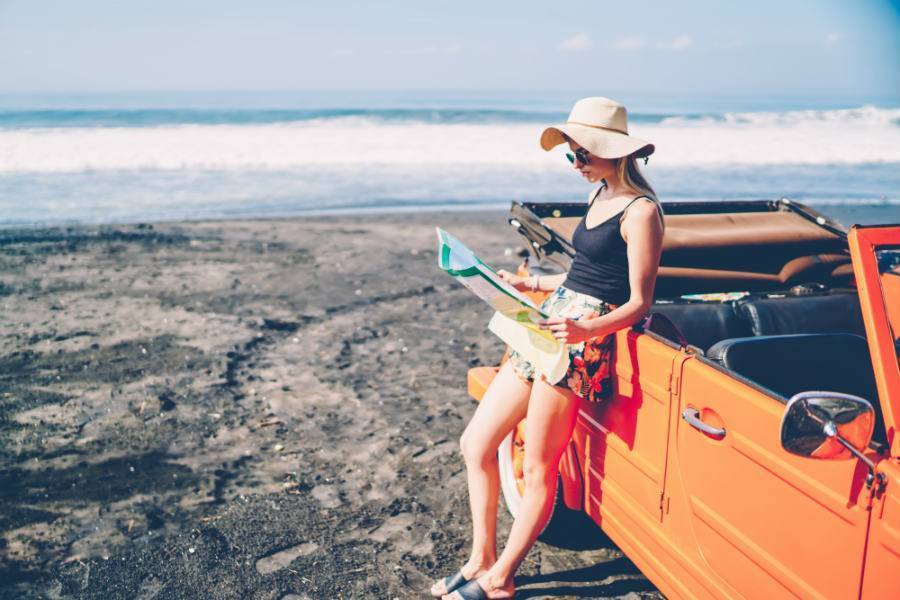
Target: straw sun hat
<point>599,125</point>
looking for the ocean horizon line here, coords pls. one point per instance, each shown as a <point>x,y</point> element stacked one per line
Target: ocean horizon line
<point>557,100</point>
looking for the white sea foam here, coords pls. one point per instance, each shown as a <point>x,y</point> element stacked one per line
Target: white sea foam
<point>863,116</point>
<point>856,136</point>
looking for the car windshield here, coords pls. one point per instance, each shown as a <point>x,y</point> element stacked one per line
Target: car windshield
<point>889,271</point>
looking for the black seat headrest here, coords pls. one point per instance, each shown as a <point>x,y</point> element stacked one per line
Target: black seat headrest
<point>704,324</point>
<point>832,313</point>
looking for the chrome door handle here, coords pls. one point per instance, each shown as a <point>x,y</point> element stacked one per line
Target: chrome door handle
<point>692,416</point>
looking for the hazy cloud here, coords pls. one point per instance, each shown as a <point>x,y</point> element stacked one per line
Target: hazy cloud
<point>677,43</point>
<point>577,43</point>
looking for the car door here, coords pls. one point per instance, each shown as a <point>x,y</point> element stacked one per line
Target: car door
<point>750,519</point>
<point>623,442</point>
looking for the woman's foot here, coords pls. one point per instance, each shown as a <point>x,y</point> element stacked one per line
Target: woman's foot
<point>494,587</point>
<point>469,570</point>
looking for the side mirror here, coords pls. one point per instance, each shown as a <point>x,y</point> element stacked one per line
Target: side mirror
<point>827,425</point>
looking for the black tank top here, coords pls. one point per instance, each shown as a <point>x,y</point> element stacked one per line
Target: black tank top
<point>600,266</point>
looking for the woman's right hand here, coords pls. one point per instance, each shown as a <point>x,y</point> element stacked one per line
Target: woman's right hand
<point>523,284</point>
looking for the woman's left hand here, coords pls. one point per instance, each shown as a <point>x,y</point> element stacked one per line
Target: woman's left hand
<point>570,331</point>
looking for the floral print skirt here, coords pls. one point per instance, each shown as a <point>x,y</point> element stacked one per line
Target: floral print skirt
<point>588,374</point>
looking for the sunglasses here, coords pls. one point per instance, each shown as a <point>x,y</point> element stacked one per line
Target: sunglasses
<point>584,157</point>
<point>581,154</point>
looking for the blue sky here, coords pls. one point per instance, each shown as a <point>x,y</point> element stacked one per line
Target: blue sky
<point>815,47</point>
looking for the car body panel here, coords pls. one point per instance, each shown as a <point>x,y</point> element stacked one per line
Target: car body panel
<point>623,440</point>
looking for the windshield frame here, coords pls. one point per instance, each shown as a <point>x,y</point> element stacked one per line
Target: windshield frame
<point>864,241</point>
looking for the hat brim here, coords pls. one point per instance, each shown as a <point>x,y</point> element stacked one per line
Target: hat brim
<point>604,143</point>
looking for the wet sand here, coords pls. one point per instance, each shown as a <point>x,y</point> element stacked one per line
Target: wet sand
<point>253,409</point>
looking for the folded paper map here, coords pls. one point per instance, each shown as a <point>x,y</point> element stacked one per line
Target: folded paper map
<point>516,316</point>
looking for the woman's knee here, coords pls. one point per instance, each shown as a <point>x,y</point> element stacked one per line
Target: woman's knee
<point>476,451</point>
<point>540,473</point>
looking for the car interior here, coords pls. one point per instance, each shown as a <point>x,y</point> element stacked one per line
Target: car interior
<point>783,343</point>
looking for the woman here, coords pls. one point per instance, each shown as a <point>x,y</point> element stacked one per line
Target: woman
<point>608,287</point>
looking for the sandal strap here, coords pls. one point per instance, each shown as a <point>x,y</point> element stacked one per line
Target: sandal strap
<point>472,591</point>
<point>451,582</point>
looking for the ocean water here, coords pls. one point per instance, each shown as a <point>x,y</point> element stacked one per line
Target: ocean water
<point>137,157</point>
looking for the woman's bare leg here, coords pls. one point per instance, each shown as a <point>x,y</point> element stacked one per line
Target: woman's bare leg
<point>504,404</point>
<point>550,421</point>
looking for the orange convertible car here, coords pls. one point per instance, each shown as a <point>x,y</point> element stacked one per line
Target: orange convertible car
<point>751,448</point>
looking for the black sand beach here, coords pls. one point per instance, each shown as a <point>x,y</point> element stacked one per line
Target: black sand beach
<point>252,409</point>
<point>247,410</point>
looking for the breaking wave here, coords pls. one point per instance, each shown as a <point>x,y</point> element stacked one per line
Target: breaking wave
<point>253,141</point>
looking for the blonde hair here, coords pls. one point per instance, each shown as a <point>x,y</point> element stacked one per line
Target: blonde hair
<point>629,174</point>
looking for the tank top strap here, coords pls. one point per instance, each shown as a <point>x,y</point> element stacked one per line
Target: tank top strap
<point>597,193</point>
<point>636,198</point>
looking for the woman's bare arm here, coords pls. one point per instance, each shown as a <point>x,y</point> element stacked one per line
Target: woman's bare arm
<point>548,283</point>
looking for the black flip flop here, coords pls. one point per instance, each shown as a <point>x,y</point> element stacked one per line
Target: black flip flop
<point>451,582</point>
<point>472,591</point>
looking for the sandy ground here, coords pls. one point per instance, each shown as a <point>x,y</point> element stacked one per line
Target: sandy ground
<point>254,409</point>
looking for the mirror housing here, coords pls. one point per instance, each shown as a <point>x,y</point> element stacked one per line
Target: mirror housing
<point>827,425</point>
